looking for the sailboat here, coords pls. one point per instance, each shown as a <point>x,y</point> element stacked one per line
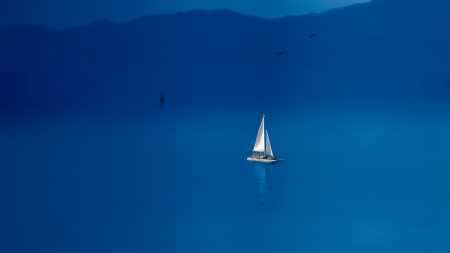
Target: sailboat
<point>262,151</point>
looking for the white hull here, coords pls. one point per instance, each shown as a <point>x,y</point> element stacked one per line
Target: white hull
<point>260,160</point>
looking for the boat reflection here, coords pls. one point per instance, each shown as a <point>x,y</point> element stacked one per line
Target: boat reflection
<point>262,175</point>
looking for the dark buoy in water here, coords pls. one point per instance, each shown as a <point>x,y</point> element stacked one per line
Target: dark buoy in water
<point>161,100</point>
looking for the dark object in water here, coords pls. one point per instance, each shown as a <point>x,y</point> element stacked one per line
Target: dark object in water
<point>161,100</point>
<point>280,53</point>
<point>312,35</point>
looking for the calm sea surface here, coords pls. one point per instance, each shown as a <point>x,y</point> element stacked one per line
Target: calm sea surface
<point>366,166</point>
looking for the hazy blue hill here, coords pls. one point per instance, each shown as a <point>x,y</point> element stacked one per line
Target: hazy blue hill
<point>108,64</point>
<point>375,36</point>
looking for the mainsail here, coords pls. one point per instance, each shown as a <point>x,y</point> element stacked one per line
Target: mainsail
<point>268,147</point>
<point>259,144</point>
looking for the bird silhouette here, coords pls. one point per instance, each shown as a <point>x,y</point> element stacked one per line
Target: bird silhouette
<point>161,100</point>
<point>311,35</point>
<point>280,53</point>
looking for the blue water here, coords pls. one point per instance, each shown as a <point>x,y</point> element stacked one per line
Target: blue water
<point>365,170</point>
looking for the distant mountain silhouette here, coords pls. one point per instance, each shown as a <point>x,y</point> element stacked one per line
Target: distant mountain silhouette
<point>108,66</point>
<point>381,35</point>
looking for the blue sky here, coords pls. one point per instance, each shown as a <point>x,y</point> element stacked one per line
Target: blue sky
<point>60,14</point>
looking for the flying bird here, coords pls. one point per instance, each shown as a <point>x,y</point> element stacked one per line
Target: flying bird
<point>311,35</point>
<point>280,53</point>
<point>161,100</point>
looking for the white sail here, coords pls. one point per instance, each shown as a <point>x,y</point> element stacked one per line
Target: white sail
<point>259,144</point>
<point>268,147</point>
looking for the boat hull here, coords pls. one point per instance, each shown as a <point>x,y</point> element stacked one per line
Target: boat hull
<point>260,160</point>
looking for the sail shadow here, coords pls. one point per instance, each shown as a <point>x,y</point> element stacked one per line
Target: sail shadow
<point>262,176</point>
